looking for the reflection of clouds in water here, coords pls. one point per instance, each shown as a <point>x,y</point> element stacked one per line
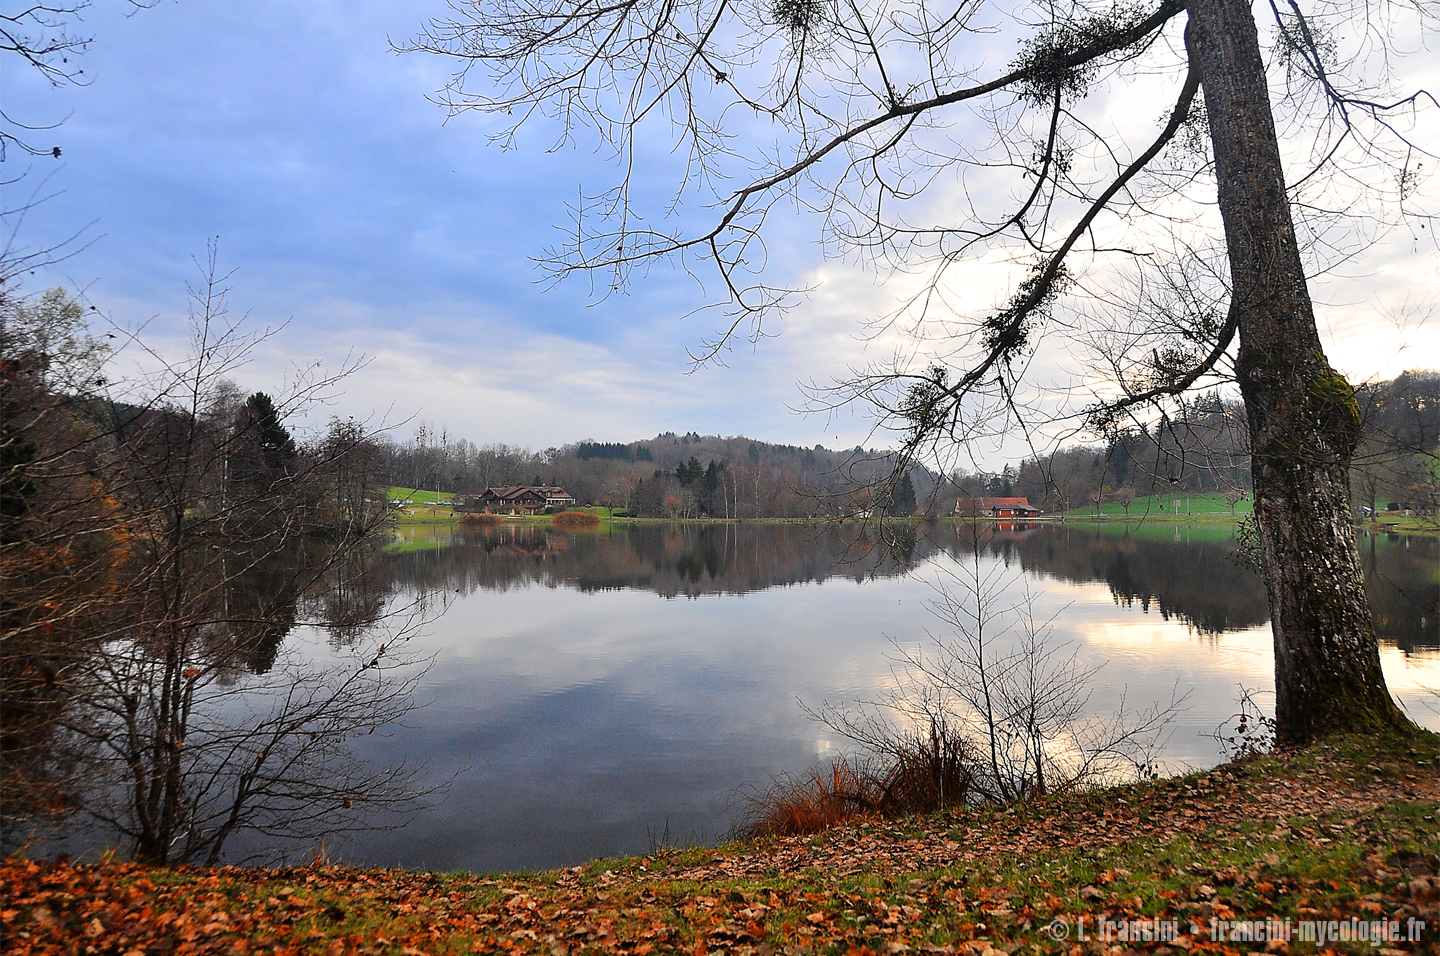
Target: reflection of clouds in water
<point>591,717</point>
<point>1414,679</point>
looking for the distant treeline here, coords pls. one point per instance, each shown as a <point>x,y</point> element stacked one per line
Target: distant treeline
<point>1201,448</point>
<point>1204,449</point>
<point>680,475</point>
<point>612,451</point>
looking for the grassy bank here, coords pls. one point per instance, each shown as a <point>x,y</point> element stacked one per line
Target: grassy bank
<point>1165,506</point>
<point>1394,522</point>
<point>1344,830</point>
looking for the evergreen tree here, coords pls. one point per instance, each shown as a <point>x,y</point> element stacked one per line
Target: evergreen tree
<point>277,448</point>
<point>262,451</point>
<point>903,503</point>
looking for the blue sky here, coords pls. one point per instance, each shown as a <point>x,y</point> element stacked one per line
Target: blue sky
<point>347,205</point>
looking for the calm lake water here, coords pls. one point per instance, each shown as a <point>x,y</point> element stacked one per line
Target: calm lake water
<point>601,691</point>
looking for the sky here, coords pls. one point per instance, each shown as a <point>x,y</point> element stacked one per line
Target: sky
<point>350,214</point>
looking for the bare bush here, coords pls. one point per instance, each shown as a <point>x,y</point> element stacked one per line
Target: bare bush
<point>824,797</point>
<point>1249,732</point>
<point>994,711</point>
<point>575,521</point>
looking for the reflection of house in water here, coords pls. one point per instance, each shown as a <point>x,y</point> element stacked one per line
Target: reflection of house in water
<point>996,507</point>
<point>518,500</point>
<point>518,542</point>
<point>997,531</point>
<point>1015,530</point>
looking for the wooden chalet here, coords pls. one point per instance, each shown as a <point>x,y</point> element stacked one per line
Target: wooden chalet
<point>996,507</point>
<point>518,500</point>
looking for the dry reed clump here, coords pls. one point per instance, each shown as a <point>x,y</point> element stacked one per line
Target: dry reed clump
<point>823,798</point>
<point>575,520</point>
<point>924,774</point>
<point>917,779</point>
<point>482,518</point>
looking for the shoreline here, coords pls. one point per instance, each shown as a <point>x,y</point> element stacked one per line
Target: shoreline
<point>1400,526</point>
<point>1343,830</point>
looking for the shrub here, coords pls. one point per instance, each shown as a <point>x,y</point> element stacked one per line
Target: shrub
<point>995,713</point>
<point>575,520</point>
<point>483,519</point>
<point>910,772</point>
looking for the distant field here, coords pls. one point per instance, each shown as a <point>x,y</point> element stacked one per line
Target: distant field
<point>422,505</point>
<point>419,496</point>
<point>1165,505</point>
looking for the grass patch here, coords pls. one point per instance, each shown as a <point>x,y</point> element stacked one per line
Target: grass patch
<point>419,496</point>
<point>1395,522</point>
<point>1159,506</point>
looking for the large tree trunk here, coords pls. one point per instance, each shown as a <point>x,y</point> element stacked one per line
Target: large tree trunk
<point>1304,421</point>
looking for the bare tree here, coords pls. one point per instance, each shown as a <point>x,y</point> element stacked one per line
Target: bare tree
<point>189,750</point>
<point>177,710</point>
<point>1400,455</point>
<point>61,541</point>
<point>867,108</point>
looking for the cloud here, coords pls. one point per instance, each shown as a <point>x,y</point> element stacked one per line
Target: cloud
<point>345,201</point>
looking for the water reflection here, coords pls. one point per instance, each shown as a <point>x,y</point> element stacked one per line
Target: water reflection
<point>1183,574</point>
<point>600,688</point>
<point>214,722</point>
<point>597,708</point>
<point>1402,579</point>
<point>669,560</point>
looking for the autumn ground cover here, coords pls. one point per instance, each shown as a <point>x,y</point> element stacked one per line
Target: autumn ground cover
<point>1345,830</point>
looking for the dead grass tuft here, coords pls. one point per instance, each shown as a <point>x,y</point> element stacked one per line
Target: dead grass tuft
<point>824,797</point>
<point>575,520</point>
<point>920,776</point>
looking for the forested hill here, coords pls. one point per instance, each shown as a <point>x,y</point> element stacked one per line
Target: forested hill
<point>686,474</point>
<point>1202,450</point>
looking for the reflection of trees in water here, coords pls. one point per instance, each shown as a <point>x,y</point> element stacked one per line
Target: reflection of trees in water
<point>1193,582</point>
<point>1402,579</point>
<point>260,605</point>
<point>1198,583</point>
<point>183,734</point>
<point>671,560</point>
<point>349,595</point>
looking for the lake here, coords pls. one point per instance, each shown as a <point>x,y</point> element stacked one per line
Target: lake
<point>601,692</point>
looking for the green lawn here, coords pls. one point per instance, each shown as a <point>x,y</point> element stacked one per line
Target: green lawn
<point>1155,505</point>
<point>419,496</point>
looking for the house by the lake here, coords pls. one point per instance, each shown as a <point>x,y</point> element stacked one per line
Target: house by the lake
<point>518,500</point>
<point>996,507</point>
